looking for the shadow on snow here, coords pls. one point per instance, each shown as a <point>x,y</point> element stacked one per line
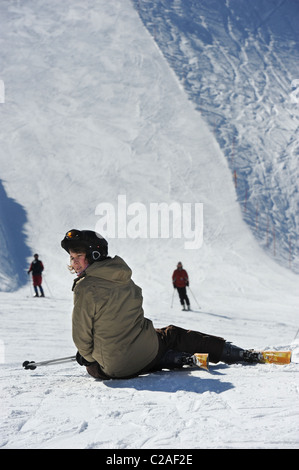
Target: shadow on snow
<point>15,251</point>
<point>173,381</point>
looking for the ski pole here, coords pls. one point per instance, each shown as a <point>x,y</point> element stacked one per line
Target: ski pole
<point>172,298</point>
<point>30,285</point>
<point>47,286</point>
<point>33,365</point>
<point>194,297</point>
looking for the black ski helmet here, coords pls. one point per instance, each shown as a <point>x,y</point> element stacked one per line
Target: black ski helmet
<point>93,243</point>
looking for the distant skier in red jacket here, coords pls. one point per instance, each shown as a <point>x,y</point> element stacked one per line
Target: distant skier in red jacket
<point>37,267</point>
<point>180,281</point>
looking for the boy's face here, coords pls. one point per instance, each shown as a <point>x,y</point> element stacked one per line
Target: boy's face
<point>78,261</point>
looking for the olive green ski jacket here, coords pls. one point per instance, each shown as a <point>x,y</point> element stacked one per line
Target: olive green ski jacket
<point>108,322</point>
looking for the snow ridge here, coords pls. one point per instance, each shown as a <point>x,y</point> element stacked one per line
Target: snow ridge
<point>238,62</point>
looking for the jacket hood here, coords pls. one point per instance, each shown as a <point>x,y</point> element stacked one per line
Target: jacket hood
<point>111,269</point>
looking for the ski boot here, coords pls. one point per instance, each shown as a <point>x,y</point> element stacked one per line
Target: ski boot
<point>177,360</point>
<point>232,354</point>
<point>197,359</point>
<point>251,356</point>
<point>174,359</point>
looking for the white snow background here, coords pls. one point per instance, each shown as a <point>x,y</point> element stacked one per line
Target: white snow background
<point>159,102</point>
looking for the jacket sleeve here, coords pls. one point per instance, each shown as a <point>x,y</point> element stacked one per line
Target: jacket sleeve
<point>82,322</point>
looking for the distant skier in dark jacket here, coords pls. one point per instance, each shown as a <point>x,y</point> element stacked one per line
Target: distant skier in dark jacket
<point>180,281</point>
<point>36,268</point>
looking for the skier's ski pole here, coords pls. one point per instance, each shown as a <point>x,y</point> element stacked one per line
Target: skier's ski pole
<point>31,365</point>
<point>47,286</point>
<point>30,285</point>
<point>172,298</point>
<point>194,297</point>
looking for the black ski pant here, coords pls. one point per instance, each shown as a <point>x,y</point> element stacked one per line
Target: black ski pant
<point>176,339</point>
<point>183,295</point>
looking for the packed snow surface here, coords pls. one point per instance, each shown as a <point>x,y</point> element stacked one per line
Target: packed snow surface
<point>96,116</point>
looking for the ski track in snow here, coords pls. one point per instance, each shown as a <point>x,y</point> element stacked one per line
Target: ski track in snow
<point>97,125</point>
<point>76,412</point>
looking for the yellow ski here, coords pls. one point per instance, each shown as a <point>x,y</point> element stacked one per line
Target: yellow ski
<point>201,360</point>
<point>275,357</point>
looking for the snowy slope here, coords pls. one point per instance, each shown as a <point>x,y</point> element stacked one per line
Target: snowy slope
<point>239,64</point>
<point>93,112</point>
